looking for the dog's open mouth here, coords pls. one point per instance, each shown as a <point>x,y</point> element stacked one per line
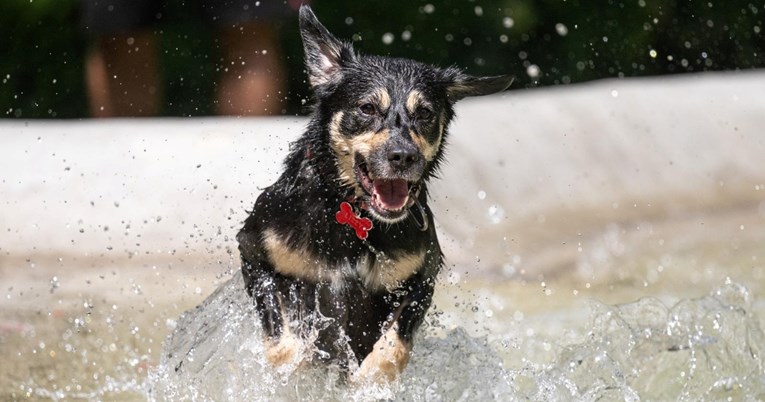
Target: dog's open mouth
<point>388,197</point>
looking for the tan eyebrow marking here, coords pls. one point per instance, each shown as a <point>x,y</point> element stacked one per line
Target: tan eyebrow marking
<point>413,99</point>
<point>383,98</point>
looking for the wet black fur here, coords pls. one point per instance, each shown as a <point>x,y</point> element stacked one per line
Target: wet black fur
<point>301,205</point>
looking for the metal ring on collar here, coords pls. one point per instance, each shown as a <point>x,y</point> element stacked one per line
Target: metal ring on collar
<point>423,226</point>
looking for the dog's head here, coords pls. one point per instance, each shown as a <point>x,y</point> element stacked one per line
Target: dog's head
<point>386,118</point>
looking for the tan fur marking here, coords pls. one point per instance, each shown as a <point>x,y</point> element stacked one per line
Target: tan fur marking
<point>383,98</point>
<point>288,349</point>
<point>302,263</point>
<point>289,261</point>
<point>388,273</point>
<point>385,273</point>
<point>387,360</point>
<point>368,142</point>
<point>428,149</point>
<point>412,100</point>
<point>345,149</point>
<point>284,351</point>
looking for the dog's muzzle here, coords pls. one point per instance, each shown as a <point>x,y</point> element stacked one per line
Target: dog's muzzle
<point>386,199</point>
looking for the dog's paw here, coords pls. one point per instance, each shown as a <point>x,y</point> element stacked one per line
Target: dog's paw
<point>388,358</point>
<point>286,350</point>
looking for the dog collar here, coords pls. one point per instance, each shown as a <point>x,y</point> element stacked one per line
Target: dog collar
<point>347,215</point>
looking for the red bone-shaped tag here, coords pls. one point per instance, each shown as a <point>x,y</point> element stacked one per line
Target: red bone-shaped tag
<point>346,216</point>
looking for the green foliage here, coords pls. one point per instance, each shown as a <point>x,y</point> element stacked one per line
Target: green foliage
<point>42,59</point>
<point>541,42</point>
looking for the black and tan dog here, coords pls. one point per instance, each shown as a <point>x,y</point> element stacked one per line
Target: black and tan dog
<point>341,254</point>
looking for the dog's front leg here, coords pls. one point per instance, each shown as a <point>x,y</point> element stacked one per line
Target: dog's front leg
<point>390,353</point>
<point>282,346</point>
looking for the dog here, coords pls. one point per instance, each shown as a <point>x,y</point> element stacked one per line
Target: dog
<point>340,254</point>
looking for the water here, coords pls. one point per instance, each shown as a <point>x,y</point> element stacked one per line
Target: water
<point>698,349</point>
<point>217,353</point>
<point>709,348</point>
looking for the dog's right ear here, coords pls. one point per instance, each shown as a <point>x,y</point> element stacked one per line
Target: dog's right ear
<point>325,55</point>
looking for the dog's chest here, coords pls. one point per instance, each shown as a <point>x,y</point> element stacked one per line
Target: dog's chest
<point>377,270</point>
<point>382,271</point>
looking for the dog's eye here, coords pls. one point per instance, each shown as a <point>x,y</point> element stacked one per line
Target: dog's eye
<point>424,113</point>
<point>368,109</point>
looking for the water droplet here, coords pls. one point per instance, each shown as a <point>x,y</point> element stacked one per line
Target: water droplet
<point>533,71</point>
<point>508,22</point>
<point>495,214</point>
<point>387,38</point>
<point>518,316</point>
<point>614,93</point>
<point>54,284</point>
<point>137,289</point>
<point>481,195</point>
<point>561,29</point>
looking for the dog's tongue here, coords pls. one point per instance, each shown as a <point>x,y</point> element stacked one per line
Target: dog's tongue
<point>392,194</point>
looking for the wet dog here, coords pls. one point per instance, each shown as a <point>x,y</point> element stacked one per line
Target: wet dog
<point>341,254</point>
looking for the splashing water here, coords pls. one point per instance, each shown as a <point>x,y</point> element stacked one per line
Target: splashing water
<point>709,348</point>
<point>700,349</point>
<point>217,353</point>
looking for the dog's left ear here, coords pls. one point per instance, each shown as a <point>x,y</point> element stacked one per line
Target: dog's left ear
<point>325,55</point>
<point>460,85</point>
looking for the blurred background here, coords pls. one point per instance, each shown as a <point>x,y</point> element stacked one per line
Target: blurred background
<point>48,45</point>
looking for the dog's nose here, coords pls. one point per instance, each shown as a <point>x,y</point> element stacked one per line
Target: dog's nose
<point>402,158</point>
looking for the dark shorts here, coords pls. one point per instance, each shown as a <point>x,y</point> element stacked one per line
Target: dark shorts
<point>105,17</point>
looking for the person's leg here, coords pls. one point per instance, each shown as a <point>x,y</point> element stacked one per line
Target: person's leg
<point>122,75</point>
<point>252,75</point>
